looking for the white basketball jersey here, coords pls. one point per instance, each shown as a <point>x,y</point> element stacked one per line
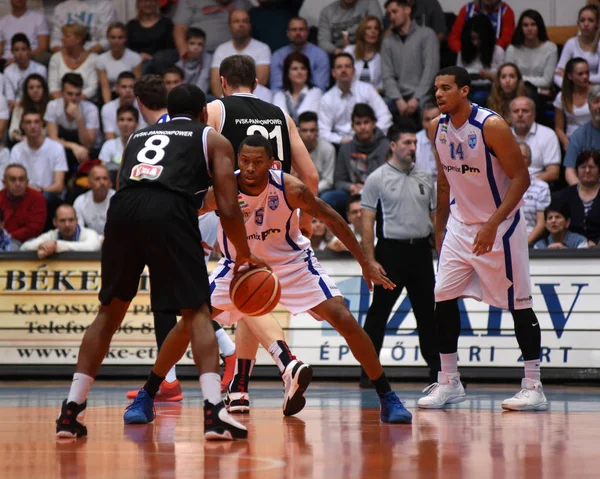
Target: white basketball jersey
<point>271,225</point>
<point>477,181</point>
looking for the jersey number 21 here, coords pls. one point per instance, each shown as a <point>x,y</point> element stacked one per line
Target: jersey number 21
<point>273,134</point>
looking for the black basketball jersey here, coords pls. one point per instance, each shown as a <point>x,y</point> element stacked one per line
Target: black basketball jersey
<point>244,114</point>
<point>170,155</point>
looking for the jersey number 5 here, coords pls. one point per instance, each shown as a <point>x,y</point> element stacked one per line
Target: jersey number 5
<point>156,145</point>
<point>274,134</point>
<point>456,151</point>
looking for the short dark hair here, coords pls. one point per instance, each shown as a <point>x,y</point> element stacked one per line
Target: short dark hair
<point>129,109</point>
<point>125,75</point>
<point>307,116</point>
<point>20,38</point>
<point>402,3</point>
<point>342,55</point>
<point>362,110</point>
<point>353,199</point>
<point>151,91</point>
<point>187,100</point>
<point>238,70</point>
<point>174,69</point>
<point>73,79</point>
<point>287,64</point>
<point>400,128</point>
<point>298,19</point>
<point>257,141</point>
<point>584,156</point>
<point>558,207</point>
<point>32,112</point>
<point>194,32</point>
<point>461,76</point>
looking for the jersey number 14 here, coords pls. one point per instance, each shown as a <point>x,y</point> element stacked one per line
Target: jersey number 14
<point>456,151</point>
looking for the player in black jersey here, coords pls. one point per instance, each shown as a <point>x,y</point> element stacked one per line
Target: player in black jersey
<point>152,220</point>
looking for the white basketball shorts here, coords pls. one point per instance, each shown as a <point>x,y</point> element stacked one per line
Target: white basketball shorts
<point>304,285</point>
<point>499,278</point>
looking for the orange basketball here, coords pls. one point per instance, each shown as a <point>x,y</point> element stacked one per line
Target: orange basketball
<point>255,291</point>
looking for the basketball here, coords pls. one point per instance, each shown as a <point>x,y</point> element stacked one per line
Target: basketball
<point>255,291</point>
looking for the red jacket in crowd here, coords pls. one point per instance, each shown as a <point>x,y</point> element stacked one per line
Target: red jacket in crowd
<point>24,219</point>
<point>503,20</point>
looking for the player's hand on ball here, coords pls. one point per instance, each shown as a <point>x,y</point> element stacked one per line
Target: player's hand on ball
<point>484,239</point>
<point>374,273</point>
<point>252,262</point>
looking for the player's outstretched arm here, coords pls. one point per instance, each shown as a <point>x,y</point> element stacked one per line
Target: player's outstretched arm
<point>442,210</point>
<point>299,196</point>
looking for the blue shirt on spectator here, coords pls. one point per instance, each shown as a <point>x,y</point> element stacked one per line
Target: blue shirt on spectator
<point>572,240</point>
<point>586,137</point>
<point>319,66</point>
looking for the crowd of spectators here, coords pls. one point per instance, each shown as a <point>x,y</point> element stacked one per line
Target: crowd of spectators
<point>67,105</point>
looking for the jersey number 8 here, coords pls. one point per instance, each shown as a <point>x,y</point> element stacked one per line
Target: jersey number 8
<point>155,144</point>
<point>276,133</point>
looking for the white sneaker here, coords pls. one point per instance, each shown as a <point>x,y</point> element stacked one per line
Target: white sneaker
<point>296,378</point>
<point>529,398</point>
<point>448,390</point>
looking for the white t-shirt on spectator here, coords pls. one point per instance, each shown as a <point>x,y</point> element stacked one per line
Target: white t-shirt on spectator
<point>259,51</point>
<point>14,78</point>
<point>111,153</point>
<point>263,93</point>
<point>57,69</point>
<point>91,214</point>
<point>424,157</point>
<point>537,198</point>
<point>41,163</point>
<point>55,113</point>
<point>32,23</point>
<point>545,149</point>
<point>109,116</point>
<point>4,113</point>
<point>4,159</point>
<point>113,67</point>
<point>579,117</point>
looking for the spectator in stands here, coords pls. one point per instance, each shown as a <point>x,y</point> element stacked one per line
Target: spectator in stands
<point>545,149</point>
<point>24,207</point>
<point>335,123</point>
<point>357,158</point>
<point>532,52</point>
<point>43,158</point>
<point>125,96</point>
<point>67,236</point>
<point>4,116</point>
<point>425,159</point>
<point>128,118</point>
<point>72,121</point>
<point>366,52</point>
<point>480,56</point>
<point>212,16</point>
<point>557,234</point>
<point>21,68</point>
<point>322,153</point>
<point>196,62</point>
<point>584,45</point>
<point>150,33</point>
<point>321,236</point>
<point>118,58</point>
<point>297,33</point>
<point>571,109</point>
<point>299,94</point>
<point>585,138</point>
<point>5,238</point>
<point>32,24</point>
<point>426,13</point>
<point>173,76</point>
<point>34,97</point>
<point>410,57</point>
<point>507,86</point>
<point>338,22</point>
<point>270,18</point>
<point>94,15</point>
<point>91,207</point>
<point>354,215</point>
<point>537,199</point>
<point>72,58</point>
<point>4,158</point>
<point>582,200</point>
<point>499,13</point>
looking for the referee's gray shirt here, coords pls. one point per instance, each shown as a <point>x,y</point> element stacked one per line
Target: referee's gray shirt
<point>405,199</point>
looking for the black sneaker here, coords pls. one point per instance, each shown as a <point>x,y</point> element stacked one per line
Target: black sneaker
<point>70,422</point>
<point>219,425</point>
<point>296,378</point>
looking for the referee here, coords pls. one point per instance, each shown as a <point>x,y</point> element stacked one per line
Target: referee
<point>399,199</point>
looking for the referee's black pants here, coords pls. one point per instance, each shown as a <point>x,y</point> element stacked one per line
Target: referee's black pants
<point>409,265</point>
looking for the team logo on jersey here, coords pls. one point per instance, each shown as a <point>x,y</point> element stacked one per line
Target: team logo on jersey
<point>145,172</point>
<point>244,207</point>
<point>273,202</point>
<point>259,216</point>
<point>472,141</point>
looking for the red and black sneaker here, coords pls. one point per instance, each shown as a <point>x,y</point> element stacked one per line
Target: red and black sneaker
<point>70,422</point>
<point>219,425</point>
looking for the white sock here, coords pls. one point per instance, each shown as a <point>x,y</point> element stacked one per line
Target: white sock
<point>80,387</point>
<point>171,377</point>
<point>211,387</point>
<point>532,370</point>
<point>226,345</point>
<point>449,363</point>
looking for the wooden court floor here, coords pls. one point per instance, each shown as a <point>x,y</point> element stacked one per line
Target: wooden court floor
<point>338,435</point>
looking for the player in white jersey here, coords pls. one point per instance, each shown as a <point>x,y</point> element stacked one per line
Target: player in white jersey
<point>481,237</point>
<point>269,200</point>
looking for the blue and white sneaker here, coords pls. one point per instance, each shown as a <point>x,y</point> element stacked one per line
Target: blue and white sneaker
<point>141,410</point>
<point>393,411</point>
